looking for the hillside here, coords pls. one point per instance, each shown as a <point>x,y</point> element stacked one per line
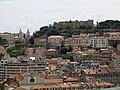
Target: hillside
<point>66,28</point>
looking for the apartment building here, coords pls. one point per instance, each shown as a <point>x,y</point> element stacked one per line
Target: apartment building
<point>20,68</point>
<point>86,65</point>
<point>2,72</point>
<point>57,87</point>
<point>40,42</point>
<point>99,42</point>
<point>113,38</point>
<point>112,35</point>
<point>37,53</point>
<point>85,40</point>
<point>103,56</point>
<point>77,41</point>
<point>55,41</point>
<point>104,74</point>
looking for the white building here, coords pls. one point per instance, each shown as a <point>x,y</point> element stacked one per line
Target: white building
<point>99,42</point>
<point>78,40</point>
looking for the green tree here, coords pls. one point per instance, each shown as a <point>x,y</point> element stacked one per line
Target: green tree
<point>19,41</point>
<point>53,32</point>
<point>67,57</point>
<point>3,41</point>
<point>65,49</point>
<point>109,24</point>
<point>31,40</point>
<point>87,57</point>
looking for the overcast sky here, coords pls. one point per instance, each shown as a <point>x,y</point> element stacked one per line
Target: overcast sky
<point>32,14</point>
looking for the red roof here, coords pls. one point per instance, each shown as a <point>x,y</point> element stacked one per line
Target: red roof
<point>23,49</point>
<point>2,48</point>
<point>71,80</point>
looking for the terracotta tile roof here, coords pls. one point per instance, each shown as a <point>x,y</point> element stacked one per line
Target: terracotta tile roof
<point>75,85</point>
<point>14,51</point>
<point>55,59</point>
<point>53,80</point>
<point>71,80</point>
<point>113,70</point>
<point>20,89</point>
<point>23,49</point>
<point>74,63</point>
<point>10,82</point>
<point>91,80</point>
<point>101,71</point>
<point>64,85</point>
<point>118,53</point>
<point>56,86</point>
<point>1,83</point>
<point>2,48</point>
<point>47,86</point>
<point>55,37</point>
<point>19,77</point>
<point>51,50</point>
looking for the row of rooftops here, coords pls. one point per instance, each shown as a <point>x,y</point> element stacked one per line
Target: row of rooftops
<point>87,35</point>
<point>24,64</point>
<point>56,86</point>
<point>102,71</point>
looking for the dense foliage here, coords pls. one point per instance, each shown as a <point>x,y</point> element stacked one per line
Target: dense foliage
<point>109,24</point>
<point>63,57</point>
<point>41,32</point>
<point>65,49</point>
<point>3,41</point>
<point>19,41</point>
<point>87,57</point>
<point>15,50</point>
<point>31,40</point>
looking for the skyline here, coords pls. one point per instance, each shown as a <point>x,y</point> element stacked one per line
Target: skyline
<point>33,14</point>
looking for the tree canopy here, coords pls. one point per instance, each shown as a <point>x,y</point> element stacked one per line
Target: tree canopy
<point>109,24</point>
<point>3,41</point>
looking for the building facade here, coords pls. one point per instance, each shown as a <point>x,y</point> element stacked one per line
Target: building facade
<point>8,70</point>
<point>55,41</point>
<point>99,42</point>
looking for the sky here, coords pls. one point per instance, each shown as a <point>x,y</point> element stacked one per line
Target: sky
<point>33,14</point>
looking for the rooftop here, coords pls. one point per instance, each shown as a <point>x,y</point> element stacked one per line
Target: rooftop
<point>55,37</point>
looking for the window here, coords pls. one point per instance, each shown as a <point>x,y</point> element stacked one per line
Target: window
<point>32,80</point>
